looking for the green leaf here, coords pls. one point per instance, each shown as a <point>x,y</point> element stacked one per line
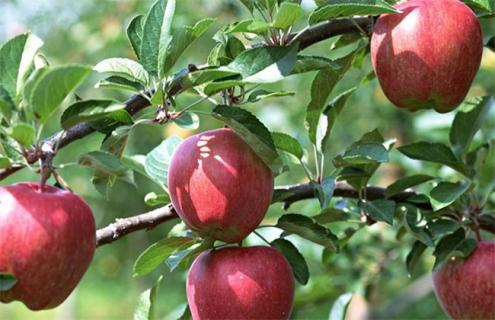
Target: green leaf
<point>250,129</point>
<point>113,120</point>
<point>324,191</point>
<point>295,259</point>
<point>414,222</point>
<point>196,78</point>
<point>16,57</point>
<point>249,4</point>
<point>233,48</point>
<point>158,160</point>
<point>88,110</point>
<point>323,84</point>
<point>7,281</point>
<point>153,200</point>
<point>414,256</point>
<point>288,144</point>
<point>327,122</point>
<point>53,86</point>
<point>466,124</point>
<point>188,120</point>
<point>307,228</point>
<point>157,36</point>
<point>261,94</point>
<point>136,163</point>
<point>23,133</point>
<point>6,105</point>
<point>126,68</point>
<point>265,64</point>
<point>358,175</point>
<point>167,40</point>
<point>215,87</point>
<point>181,40</point>
<point>313,63</point>
<point>487,6</point>
<point>119,83</point>
<point>434,152</point>
<point>379,210</point>
<point>135,33</point>
<point>345,8</point>
<point>442,227</point>
<point>339,308</point>
<point>4,162</point>
<point>158,252</point>
<point>104,162</point>
<point>145,308</point>
<point>186,315</point>
<point>249,25</point>
<point>184,258</point>
<point>331,215</point>
<point>116,141</point>
<point>10,148</point>
<point>366,153</point>
<point>288,13</point>
<point>455,244</point>
<point>406,183</point>
<point>445,193</point>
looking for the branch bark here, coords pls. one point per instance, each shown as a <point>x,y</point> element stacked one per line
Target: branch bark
<point>122,227</point>
<point>330,29</point>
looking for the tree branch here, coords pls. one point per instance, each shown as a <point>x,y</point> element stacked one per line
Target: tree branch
<point>344,190</point>
<point>137,102</point>
<point>330,29</point>
<point>9,171</point>
<point>123,227</point>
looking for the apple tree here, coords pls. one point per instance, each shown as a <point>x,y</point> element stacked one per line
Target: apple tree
<point>240,203</point>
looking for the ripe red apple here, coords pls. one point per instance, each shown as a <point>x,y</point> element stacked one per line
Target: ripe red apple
<point>428,55</point>
<point>466,288</point>
<point>240,283</point>
<point>219,186</point>
<point>47,241</point>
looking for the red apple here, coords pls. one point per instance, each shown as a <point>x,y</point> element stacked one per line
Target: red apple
<point>47,242</point>
<point>466,288</point>
<point>240,283</point>
<point>219,186</point>
<point>428,55</point>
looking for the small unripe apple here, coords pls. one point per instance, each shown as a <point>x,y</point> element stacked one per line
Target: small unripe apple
<point>219,186</point>
<point>47,241</point>
<point>240,283</point>
<point>466,287</point>
<point>428,55</point>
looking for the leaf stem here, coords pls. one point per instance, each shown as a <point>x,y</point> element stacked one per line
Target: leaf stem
<point>261,237</point>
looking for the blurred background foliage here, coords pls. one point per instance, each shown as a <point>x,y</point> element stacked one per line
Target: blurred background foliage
<point>371,266</point>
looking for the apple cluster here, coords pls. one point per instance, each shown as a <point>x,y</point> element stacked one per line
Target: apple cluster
<point>424,57</point>
<point>222,189</point>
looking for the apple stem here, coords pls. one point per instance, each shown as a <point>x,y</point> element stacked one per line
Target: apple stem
<point>478,234</point>
<point>476,229</point>
<point>46,160</point>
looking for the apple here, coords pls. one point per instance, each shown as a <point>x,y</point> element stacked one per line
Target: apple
<point>47,242</point>
<point>240,283</point>
<point>428,55</point>
<point>219,186</point>
<point>466,287</point>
